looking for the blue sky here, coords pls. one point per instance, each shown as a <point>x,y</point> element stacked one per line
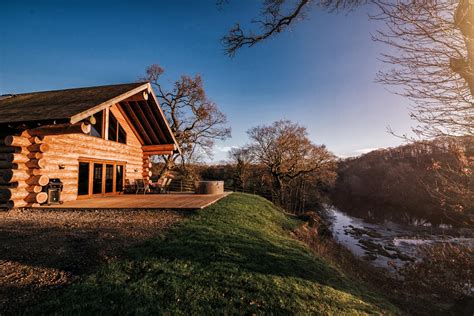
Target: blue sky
<point>320,74</point>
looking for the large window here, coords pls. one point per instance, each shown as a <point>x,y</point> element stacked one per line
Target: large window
<point>116,132</point>
<point>97,129</point>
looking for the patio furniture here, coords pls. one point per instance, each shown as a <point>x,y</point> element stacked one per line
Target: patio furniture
<point>157,187</point>
<point>210,187</point>
<point>129,187</point>
<point>161,185</point>
<point>142,187</point>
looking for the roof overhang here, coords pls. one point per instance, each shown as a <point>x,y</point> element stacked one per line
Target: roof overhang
<point>144,115</point>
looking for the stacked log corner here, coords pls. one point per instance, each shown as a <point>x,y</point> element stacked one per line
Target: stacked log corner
<point>19,156</point>
<point>146,168</point>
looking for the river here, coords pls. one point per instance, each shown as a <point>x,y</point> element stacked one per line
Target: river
<point>388,244</point>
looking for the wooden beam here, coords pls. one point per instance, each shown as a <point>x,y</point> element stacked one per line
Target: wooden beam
<point>157,107</point>
<point>79,117</point>
<point>38,180</point>
<point>147,110</point>
<point>125,116</point>
<point>159,152</point>
<point>143,96</point>
<point>136,122</point>
<point>42,148</point>
<point>16,141</point>
<point>163,147</point>
<point>144,120</point>
<point>60,129</point>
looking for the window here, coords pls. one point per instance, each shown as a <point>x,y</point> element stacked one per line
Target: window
<point>83,187</point>
<point>109,178</point>
<point>97,128</point>
<point>119,178</point>
<point>116,132</point>
<point>122,136</point>
<point>97,179</point>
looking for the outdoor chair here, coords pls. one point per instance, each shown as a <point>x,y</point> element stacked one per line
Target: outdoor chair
<point>142,187</point>
<point>160,186</point>
<point>129,187</point>
<point>156,187</point>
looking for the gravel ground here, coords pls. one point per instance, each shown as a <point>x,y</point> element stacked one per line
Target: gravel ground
<point>44,250</point>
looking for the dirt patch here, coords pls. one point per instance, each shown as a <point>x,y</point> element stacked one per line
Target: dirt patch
<point>43,250</point>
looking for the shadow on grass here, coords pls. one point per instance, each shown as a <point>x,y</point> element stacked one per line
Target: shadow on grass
<point>233,258</point>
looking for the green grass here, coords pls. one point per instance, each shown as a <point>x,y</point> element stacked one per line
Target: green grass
<point>235,257</point>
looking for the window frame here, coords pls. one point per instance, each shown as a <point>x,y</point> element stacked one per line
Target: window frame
<point>106,127</point>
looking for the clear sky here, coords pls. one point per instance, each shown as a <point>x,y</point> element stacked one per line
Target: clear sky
<point>320,74</point>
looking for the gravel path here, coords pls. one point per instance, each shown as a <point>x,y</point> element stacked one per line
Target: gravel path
<point>44,250</point>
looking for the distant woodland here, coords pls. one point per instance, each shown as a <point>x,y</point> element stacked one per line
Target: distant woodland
<point>428,181</point>
<point>419,183</point>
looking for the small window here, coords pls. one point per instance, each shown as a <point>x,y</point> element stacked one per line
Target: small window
<point>116,131</point>
<point>97,130</point>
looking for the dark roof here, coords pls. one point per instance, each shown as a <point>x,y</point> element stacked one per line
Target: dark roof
<point>58,104</point>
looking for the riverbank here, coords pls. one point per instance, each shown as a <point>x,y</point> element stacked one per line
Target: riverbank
<point>387,244</point>
<point>235,257</point>
<point>437,283</point>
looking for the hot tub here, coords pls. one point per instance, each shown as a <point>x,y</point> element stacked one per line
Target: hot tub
<point>210,187</point>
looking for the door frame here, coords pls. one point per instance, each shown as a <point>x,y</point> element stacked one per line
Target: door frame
<point>104,163</point>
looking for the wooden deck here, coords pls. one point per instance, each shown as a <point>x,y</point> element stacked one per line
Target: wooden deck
<point>149,201</point>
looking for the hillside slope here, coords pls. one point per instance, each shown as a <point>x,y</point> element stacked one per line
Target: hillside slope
<point>233,257</point>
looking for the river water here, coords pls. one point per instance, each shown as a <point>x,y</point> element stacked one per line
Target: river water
<point>389,244</point>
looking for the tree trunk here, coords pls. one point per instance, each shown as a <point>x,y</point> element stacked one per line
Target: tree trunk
<point>169,165</point>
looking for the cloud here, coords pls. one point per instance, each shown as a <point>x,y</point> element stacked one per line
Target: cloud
<point>365,150</point>
<point>225,149</point>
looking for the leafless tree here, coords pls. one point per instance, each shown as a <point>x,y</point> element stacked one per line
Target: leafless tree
<point>241,159</point>
<point>431,54</point>
<point>275,17</point>
<point>286,151</point>
<point>195,121</point>
<point>430,62</point>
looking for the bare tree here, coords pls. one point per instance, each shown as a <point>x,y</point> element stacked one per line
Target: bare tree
<point>430,62</point>
<point>276,16</point>
<point>195,121</point>
<point>284,148</point>
<point>432,56</point>
<point>241,159</point>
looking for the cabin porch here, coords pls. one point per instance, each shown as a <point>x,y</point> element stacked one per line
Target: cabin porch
<point>140,201</point>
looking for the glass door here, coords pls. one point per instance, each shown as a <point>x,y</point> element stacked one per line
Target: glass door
<point>119,169</point>
<point>109,178</point>
<point>83,181</point>
<point>97,178</point>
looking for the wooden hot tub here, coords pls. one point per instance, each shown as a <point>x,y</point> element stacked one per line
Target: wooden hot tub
<point>210,187</point>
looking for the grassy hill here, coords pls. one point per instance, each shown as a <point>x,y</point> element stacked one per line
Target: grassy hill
<point>235,257</point>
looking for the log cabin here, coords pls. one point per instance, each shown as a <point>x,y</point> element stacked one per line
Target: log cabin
<point>91,140</point>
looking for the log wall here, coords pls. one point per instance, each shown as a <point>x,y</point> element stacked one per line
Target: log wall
<point>27,162</point>
<point>65,151</point>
